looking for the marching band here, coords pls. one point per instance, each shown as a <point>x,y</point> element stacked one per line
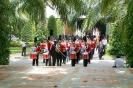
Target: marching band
<point>62,51</point>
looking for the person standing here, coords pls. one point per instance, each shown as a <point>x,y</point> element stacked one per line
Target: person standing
<point>88,49</point>
<point>77,50</point>
<point>24,48</point>
<point>51,48</point>
<point>58,53</point>
<point>38,50</point>
<point>63,50</point>
<point>46,51</point>
<point>104,41</point>
<point>100,50</point>
<point>72,48</point>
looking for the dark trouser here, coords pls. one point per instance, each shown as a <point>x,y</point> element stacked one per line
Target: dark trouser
<point>85,62</point>
<point>73,61</point>
<point>53,54</point>
<point>92,53</point>
<point>35,60</point>
<point>24,51</point>
<point>77,54</point>
<point>89,57</point>
<point>64,58</point>
<point>59,58</point>
<point>47,61</point>
<point>100,55</point>
<point>104,48</point>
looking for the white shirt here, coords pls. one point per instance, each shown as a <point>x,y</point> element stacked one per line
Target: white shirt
<point>71,49</point>
<point>46,50</point>
<point>83,49</point>
<point>33,49</point>
<point>119,62</point>
<point>104,41</point>
<point>23,44</point>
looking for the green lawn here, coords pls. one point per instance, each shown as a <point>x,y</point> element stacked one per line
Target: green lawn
<point>18,49</point>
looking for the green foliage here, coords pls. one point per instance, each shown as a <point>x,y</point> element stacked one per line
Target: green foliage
<point>127,33</point>
<point>19,44</point>
<point>93,15</point>
<point>41,34</point>
<point>5,11</point>
<point>59,27</point>
<point>52,24</point>
<point>115,45</point>
<point>15,43</point>
<point>28,31</point>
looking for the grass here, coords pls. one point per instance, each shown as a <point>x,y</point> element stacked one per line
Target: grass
<point>14,50</point>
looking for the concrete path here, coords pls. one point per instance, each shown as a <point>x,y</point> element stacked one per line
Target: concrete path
<point>98,74</point>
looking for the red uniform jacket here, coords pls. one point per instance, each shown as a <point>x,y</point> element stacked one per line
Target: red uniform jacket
<point>38,49</point>
<point>77,46</point>
<point>93,45</point>
<point>69,45</point>
<point>49,45</point>
<point>63,46</point>
<point>81,44</point>
<point>88,49</point>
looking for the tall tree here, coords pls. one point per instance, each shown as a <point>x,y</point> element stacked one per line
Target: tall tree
<point>59,27</point>
<point>52,24</point>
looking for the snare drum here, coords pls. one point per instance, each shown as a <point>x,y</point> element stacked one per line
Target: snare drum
<point>33,56</point>
<point>73,55</point>
<point>85,55</point>
<point>45,56</point>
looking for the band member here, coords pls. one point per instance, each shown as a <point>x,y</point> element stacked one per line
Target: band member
<point>88,49</point>
<point>46,51</point>
<point>77,50</point>
<point>43,46</point>
<point>92,48</point>
<point>83,47</point>
<point>63,50</point>
<point>84,54</point>
<point>68,47</point>
<point>38,50</point>
<point>58,53</point>
<point>52,51</point>
<point>100,50</point>
<point>67,50</point>
<point>49,44</point>
<point>72,48</point>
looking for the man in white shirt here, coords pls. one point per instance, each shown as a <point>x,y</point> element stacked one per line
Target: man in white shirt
<point>104,42</point>
<point>23,48</point>
<point>119,62</point>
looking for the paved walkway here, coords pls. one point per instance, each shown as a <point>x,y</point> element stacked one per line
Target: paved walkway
<point>98,74</point>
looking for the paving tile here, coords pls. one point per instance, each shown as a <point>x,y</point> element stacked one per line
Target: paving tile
<point>45,69</point>
<point>99,79</point>
<point>131,70</point>
<point>99,70</point>
<point>31,86</point>
<point>4,76</point>
<point>13,68</point>
<point>43,78</point>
